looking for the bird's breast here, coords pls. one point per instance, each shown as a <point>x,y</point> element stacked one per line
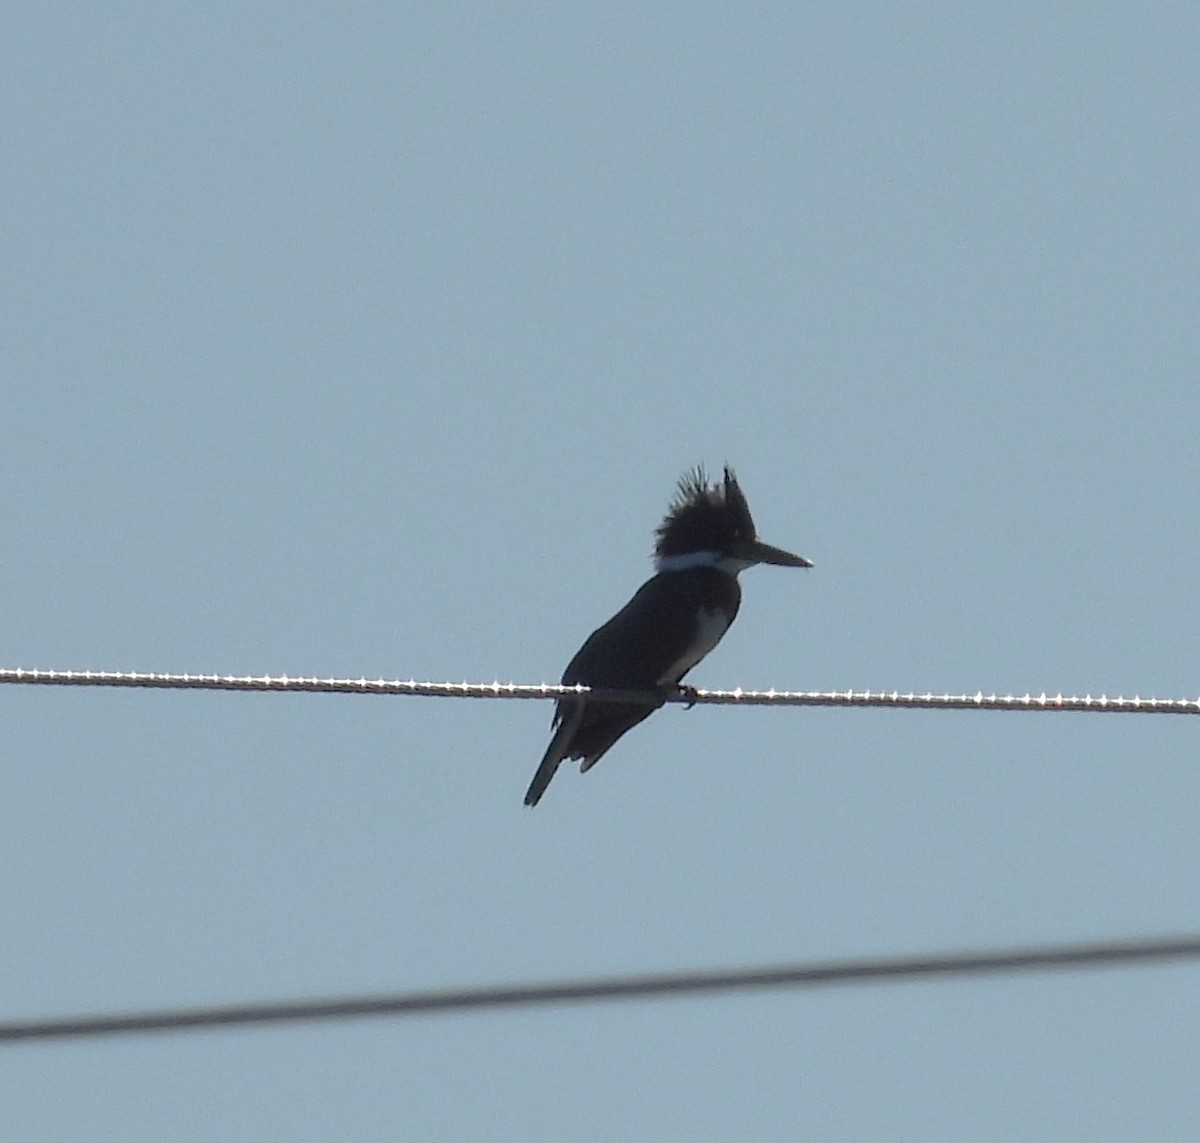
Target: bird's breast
<point>711,624</point>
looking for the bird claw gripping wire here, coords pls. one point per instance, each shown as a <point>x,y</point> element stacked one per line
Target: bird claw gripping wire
<point>683,690</point>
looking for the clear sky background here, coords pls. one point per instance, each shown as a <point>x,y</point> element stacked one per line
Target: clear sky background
<point>371,340</point>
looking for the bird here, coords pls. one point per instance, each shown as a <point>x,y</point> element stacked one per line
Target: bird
<point>673,620</point>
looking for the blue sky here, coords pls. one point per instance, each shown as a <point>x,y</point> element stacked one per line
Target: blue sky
<point>371,340</point>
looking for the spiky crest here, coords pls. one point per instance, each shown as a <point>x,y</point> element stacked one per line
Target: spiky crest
<point>704,516</point>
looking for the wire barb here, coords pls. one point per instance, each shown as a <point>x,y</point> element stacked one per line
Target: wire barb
<point>804,975</point>
<point>497,690</point>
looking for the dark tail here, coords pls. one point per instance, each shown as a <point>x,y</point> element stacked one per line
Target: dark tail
<point>558,749</point>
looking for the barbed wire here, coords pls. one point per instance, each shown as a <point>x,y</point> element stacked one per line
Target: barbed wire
<point>647,986</point>
<point>496,690</point>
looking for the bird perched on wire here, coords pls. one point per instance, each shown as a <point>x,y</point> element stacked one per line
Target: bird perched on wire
<point>674,620</point>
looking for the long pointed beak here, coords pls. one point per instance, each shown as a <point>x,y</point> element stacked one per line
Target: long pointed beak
<point>760,553</point>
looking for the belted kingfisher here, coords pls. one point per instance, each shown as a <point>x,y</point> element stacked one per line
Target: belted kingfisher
<point>673,621</point>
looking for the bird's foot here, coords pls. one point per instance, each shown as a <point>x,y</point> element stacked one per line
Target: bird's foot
<point>689,693</point>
